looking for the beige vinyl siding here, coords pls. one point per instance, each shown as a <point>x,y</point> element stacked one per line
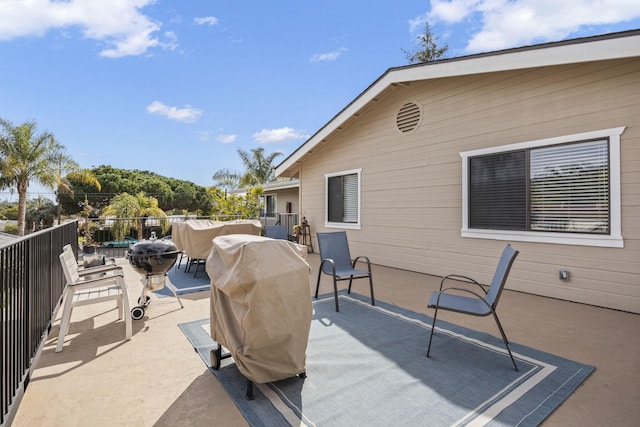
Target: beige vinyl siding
<point>286,195</point>
<point>411,197</point>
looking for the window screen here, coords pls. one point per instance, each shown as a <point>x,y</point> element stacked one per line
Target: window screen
<point>570,188</point>
<point>342,198</point>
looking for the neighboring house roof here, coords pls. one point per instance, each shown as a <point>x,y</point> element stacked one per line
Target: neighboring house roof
<point>6,238</point>
<point>596,48</point>
<point>273,186</point>
<point>281,185</point>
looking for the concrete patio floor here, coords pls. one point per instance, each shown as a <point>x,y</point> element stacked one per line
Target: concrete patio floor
<point>157,379</point>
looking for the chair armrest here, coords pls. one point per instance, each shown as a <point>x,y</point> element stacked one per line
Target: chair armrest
<point>366,260</point>
<point>480,297</point>
<point>461,278</point>
<point>99,279</point>
<point>98,269</point>
<point>330,261</point>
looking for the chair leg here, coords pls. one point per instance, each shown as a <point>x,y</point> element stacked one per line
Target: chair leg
<point>318,283</point>
<point>197,266</point>
<point>433,326</point>
<point>125,308</point>
<point>373,300</point>
<point>335,292</point>
<point>66,318</point>
<point>177,266</point>
<point>350,281</point>
<point>504,338</point>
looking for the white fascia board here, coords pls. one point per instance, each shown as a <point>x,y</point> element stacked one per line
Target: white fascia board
<point>601,50</point>
<point>513,59</point>
<point>273,186</point>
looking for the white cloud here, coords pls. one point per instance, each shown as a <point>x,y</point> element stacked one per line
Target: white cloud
<point>188,114</point>
<point>509,23</point>
<point>119,24</point>
<point>331,56</point>
<point>209,20</point>
<point>268,136</point>
<point>226,139</point>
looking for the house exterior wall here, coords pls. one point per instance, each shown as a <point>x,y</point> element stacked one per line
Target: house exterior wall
<point>287,195</point>
<point>283,196</point>
<point>411,189</point>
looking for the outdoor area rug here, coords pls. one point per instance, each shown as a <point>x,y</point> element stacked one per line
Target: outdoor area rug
<point>185,282</point>
<point>368,366</point>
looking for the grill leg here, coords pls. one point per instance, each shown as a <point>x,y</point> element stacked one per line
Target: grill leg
<point>250,395</point>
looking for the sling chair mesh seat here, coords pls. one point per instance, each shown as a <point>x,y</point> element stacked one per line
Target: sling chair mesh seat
<point>336,262</point>
<point>477,304</point>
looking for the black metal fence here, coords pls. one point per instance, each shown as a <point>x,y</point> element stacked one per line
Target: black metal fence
<point>32,283</point>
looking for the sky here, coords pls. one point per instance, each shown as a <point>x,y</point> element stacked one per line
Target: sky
<point>177,87</point>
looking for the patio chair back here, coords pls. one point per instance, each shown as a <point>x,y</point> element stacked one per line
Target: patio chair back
<point>276,232</point>
<point>69,266</point>
<point>500,276</point>
<point>336,247</point>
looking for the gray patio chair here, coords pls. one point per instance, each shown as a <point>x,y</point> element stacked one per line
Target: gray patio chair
<point>336,262</point>
<point>276,232</point>
<point>478,304</point>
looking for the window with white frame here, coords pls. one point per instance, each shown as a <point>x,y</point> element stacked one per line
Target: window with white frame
<point>558,190</point>
<point>342,191</point>
<point>270,203</point>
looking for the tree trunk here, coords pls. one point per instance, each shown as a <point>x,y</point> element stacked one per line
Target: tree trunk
<point>22,206</point>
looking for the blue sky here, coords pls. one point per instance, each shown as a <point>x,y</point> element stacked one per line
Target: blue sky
<point>176,87</point>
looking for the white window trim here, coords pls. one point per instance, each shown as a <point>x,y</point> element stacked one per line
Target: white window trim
<point>613,240</point>
<point>341,225</point>
<point>275,205</point>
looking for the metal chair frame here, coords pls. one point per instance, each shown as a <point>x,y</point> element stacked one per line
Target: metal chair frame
<point>336,262</point>
<point>480,304</point>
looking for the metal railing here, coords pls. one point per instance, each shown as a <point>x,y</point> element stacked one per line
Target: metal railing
<point>101,231</point>
<point>288,220</point>
<point>32,283</point>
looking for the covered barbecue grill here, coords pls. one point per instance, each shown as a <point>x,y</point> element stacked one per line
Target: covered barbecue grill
<point>152,259</point>
<point>260,306</point>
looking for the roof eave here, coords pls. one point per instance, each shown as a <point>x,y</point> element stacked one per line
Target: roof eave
<point>588,49</point>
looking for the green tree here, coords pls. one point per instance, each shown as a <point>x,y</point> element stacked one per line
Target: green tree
<point>25,157</point>
<point>258,168</point>
<point>41,213</point>
<point>171,193</point>
<point>227,179</point>
<point>131,211</point>
<point>73,172</point>
<point>428,49</point>
<point>245,206</point>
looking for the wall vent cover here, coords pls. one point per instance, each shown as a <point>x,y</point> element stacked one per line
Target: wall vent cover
<point>408,117</point>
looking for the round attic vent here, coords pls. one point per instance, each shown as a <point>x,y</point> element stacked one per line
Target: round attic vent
<point>408,117</point>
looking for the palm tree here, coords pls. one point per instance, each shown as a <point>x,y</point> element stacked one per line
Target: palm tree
<point>130,212</point>
<point>226,179</point>
<point>26,156</point>
<point>73,172</point>
<point>259,169</point>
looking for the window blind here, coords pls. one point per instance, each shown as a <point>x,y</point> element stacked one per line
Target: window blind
<point>570,187</point>
<point>350,201</point>
<point>498,191</point>
<point>335,199</point>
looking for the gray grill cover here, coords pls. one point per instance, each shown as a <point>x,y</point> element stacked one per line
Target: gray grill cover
<point>261,304</point>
